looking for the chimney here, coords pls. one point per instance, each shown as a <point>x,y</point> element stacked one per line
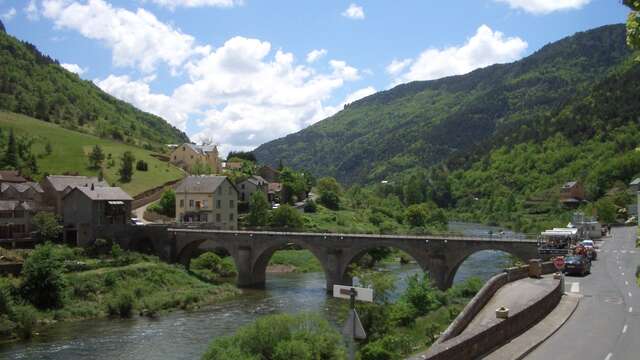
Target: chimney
<point>92,187</point>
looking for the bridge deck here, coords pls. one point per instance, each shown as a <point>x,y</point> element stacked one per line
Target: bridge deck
<point>448,237</point>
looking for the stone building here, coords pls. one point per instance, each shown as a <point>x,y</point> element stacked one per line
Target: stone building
<point>212,200</point>
<point>188,155</point>
<point>86,208</point>
<point>572,194</point>
<point>19,202</point>
<point>55,188</point>
<point>249,186</point>
<point>268,173</point>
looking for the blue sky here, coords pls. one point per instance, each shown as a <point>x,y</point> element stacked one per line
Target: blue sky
<point>243,72</point>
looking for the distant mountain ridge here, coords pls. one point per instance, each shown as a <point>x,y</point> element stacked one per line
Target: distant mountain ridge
<point>453,120</point>
<point>34,84</point>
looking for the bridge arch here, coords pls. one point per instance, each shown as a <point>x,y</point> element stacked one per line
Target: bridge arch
<point>262,257</point>
<point>419,255</point>
<point>524,254</point>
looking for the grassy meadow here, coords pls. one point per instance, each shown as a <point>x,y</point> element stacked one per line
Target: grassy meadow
<point>70,151</point>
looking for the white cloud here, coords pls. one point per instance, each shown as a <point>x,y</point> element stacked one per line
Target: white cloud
<point>74,68</point>
<point>541,7</point>
<point>485,48</point>
<point>139,94</point>
<point>316,54</point>
<point>241,94</point>
<point>359,94</point>
<point>172,4</point>
<point>136,38</point>
<point>396,66</point>
<point>354,12</point>
<point>7,16</point>
<point>32,10</point>
<point>342,70</point>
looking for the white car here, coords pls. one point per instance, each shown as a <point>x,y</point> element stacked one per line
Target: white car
<point>136,221</point>
<point>275,206</point>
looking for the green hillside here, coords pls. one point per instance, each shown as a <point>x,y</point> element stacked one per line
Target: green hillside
<point>35,85</point>
<point>69,149</point>
<point>456,120</point>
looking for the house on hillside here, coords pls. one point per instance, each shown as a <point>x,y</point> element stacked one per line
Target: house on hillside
<point>232,165</point>
<point>188,155</point>
<point>212,200</point>
<point>274,192</point>
<point>55,188</point>
<point>16,215</point>
<point>268,173</point>
<point>572,194</point>
<point>11,176</point>
<point>86,208</point>
<point>249,186</point>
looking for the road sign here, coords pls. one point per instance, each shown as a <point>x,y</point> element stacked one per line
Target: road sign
<point>558,262</point>
<point>353,328</point>
<point>361,294</point>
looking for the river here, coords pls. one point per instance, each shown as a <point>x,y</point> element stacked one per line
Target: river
<point>186,334</point>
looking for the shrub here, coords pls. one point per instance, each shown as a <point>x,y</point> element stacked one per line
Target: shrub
<point>376,351</point>
<point>121,304</point>
<point>282,336</point>
<point>25,319</point>
<point>417,215</point>
<point>47,226</point>
<point>330,200</point>
<point>310,206</point>
<point>142,165</point>
<point>43,283</point>
<point>286,217</point>
<point>403,313</point>
<point>6,301</point>
<point>421,294</point>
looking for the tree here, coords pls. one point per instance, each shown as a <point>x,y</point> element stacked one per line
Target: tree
<point>286,217</point>
<point>417,215</point>
<point>327,184</point>
<point>168,203</point>
<point>43,282</point>
<point>96,157</point>
<point>11,158</point>
<point>142,165</point>
<point>126,166</point>
<point>633,23</point>
<point>330,200</point>
<point>47,226</point>
<point>48,148</point>
<point>258,209</point>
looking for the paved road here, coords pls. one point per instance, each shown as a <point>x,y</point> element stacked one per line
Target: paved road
<point>606,324</point>
<point>139,212</point>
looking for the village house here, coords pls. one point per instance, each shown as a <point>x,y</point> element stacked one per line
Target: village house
<point>55,188</point>
<point>207,199</point>
<point>189,155</point>
<point>11,176</point>
<point>274,192</point>
<point>86,208</point>
<point>232,165</point>
<point>249,186</point>
<point>572,194</point>
<point>19,202</point>
<point>268,173</point>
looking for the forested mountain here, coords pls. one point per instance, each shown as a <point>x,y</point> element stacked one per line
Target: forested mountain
<point>457,121</point>
<point>33,84</point>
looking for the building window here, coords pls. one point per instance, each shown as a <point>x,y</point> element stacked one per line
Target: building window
<point>242,186</point>
<point>204,204</point>
<point>218,204</point>
<point>218,218</point>
<point>231,204</point>
<point>242,197</point>
<point>174,157</point>
<point>198,204</point>
<point>181,203</point>
<point>192,156</point>
<point>190,203</point>
<point>204,218</point>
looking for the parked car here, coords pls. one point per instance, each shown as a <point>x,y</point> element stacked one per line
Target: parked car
<point>590,248</point>
<point>136,221</point>
<point>577,264</point>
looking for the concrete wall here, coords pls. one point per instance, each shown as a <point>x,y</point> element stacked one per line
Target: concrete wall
<point>473,345</point>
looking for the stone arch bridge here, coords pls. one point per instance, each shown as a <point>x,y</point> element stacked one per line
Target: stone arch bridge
<point>251,250</point>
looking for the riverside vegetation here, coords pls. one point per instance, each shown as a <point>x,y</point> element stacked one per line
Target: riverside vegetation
<point>59,283</point>
<point>394,329</point>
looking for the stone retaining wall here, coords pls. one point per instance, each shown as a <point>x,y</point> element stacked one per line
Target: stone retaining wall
<point>469,346</point>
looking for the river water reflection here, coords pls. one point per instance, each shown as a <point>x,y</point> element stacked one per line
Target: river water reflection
<point>185,335</point>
